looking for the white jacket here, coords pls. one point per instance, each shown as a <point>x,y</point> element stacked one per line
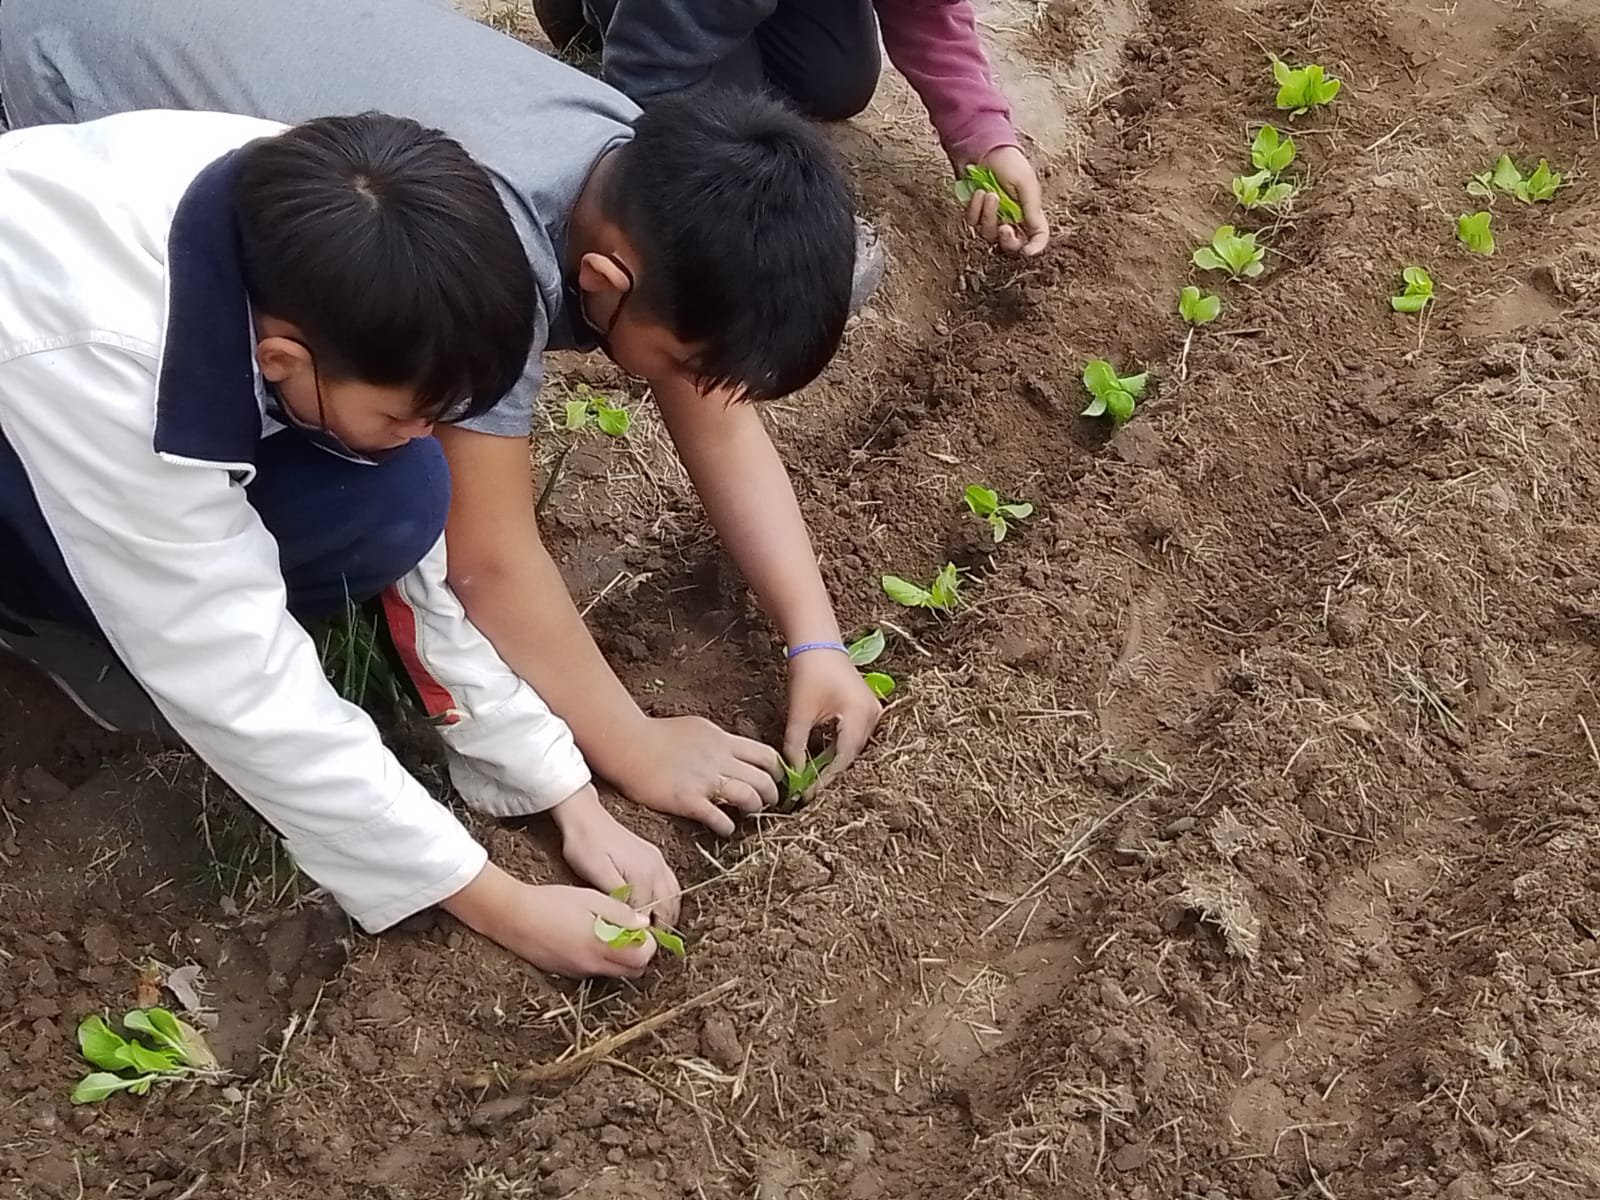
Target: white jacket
<point>142,486</point>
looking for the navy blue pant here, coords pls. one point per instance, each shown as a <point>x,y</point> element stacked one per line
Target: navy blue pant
<point>344,531</point>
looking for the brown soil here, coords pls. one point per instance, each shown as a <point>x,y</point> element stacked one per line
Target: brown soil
<point>1238,840</point>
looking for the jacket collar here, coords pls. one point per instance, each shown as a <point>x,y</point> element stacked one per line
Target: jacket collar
<point>207,410</point>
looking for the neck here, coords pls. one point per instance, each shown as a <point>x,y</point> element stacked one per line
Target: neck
<point>587,225</point>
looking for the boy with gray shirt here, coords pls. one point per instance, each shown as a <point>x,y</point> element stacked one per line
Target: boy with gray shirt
<point>707,247</point>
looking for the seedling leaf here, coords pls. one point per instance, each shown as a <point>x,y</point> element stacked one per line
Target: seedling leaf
<point>1475,232</point>
<point>668,939</point>
<point>1418,291</point>
<point>867,649</point>
<point>797,783</point>
<point>622,892</point>
<point>903,591</point>
<point>1540,186</point>
<point>1260,190</point>
<point>1197,308</point>
<point>102,1045</point>
<point>882,685</point>
<point>577,415</point>
<point>614,422</point>
<point>1271,151</point>
<point>1505,176</point>
<point>1303,88</point>
<point>1114,395</point>
<point>946,590</point>
<point>616,936</point>
<point>94,1088</point>
<point>981,179</point>
<point>981,500</point>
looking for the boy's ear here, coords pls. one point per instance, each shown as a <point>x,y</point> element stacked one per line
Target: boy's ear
<point>602,273</point>
<point>280,357</point>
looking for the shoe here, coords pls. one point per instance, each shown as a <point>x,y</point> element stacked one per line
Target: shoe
<point>88,672</point>
<point>872,260</point>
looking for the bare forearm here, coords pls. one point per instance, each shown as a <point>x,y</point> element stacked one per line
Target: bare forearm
<point>749,500</point>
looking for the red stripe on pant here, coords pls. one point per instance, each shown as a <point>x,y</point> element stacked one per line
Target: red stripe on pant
<point>437,701</point>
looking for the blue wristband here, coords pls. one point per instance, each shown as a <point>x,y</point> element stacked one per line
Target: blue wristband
<point>795,652</point>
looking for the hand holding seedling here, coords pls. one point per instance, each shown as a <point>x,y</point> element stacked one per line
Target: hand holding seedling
<point>688,767</point>
<point>605,853</point>
<point>551,926</point>
<point>826,689</point>
<point>1005,201</point>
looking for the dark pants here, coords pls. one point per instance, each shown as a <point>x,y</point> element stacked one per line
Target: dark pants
<point>820,55</point>
<point>344,531</point>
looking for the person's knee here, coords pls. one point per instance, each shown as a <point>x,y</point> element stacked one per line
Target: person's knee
<point>403,515</point>
<point>841,86</point>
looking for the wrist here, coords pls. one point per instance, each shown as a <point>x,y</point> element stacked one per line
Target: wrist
<point>814,648</point>
<point>581,808</point>
<point>479,904</point>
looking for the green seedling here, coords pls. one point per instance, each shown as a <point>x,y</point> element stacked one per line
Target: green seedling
<point>1536,188</point>
<point>985,503</point>
<point>942,595</point>
<point>1418,294</point>
<point>1236,253</point>
<point>1475,232</point>
<point>981,179</point>
<point>612,420</point>
<point>1301,89</point>
<point>171,1050</point>
<point>1271,151</point>
<point>797,781</point>
<point>865,651</point>
<point>1197,308</point>
<point>1261,190</point>
<point>1113,395</point>
<point>615,936</point>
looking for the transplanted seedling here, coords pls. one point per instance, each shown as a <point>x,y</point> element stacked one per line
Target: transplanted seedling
<point>1475,232</point>
<point>942,595</point>
<point>1262,190</point>
<point>1236,253</point>
<point>985,503</point>
<point>1303,88</point>
<point>159,1048</point>
<point>981,179</point>
<point>1271,151</point>
<point>1114,395</point>
<point>615,936</point>
<point>612,420</point>
<point>1418,293</point>
<point>866,650</point>
<point>1504,176</point>
<point>1198,308</point>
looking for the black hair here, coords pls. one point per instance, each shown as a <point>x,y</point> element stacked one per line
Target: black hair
<point>744,222</point>
<point>388,247</point>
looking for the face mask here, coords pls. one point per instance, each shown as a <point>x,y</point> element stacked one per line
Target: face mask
<point>319,435</point>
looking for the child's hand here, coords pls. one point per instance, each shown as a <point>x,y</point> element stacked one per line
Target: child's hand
<point>552,926</point>
<point>610,856</point>
<point>824,686</point>
<point>1016,174</point>
<point>688,767</point>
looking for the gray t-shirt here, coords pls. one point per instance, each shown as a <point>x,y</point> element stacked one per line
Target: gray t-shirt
<point>536,123</point>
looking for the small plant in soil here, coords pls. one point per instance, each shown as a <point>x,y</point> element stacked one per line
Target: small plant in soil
<point>1236,253</point>
<point>1197,307</point>
<point>615,936</point>
<point>1272,152</point>
<point>1536,188</point>
<point>1301,89</point>
<point>611,419</point>
<point>1475,232</point>
<point>985,503</point>
<point>866,650</point>
<point>1262,190</point>
<point>1114,395</point>
<point>1418,293</point>
<point>942,595</point>
<point>981,179</point>
<point>158,1048</point>
<point>797,781</point>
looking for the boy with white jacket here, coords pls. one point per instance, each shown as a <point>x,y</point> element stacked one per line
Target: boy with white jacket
<point>223,344</point>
